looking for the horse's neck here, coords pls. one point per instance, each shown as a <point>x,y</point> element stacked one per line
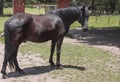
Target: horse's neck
<point>68,20</point>
<point>69,17</point>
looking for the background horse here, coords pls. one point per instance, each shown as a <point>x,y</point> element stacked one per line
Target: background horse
<point>26,27</point>
<point>68,16</point>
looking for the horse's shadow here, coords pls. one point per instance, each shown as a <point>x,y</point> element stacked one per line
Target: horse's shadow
<point>41,69</point>
<point>109,37</point>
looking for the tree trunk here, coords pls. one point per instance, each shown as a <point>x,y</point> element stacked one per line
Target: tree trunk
<point>92,5</point>
<point>1,7</point>
<point>112,5</point>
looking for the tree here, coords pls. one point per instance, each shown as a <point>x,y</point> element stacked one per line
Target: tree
<point>1,7</point>
<point>8,0</point>
<point>92,5</point>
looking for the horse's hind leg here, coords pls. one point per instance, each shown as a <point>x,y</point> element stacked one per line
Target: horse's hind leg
<point>11,57</point>
<point>3,71</point>
<point>6,59</point>
<point>59,43</point>
<point>52,52</point>
<point>16,62</point>
<point>15,45</point>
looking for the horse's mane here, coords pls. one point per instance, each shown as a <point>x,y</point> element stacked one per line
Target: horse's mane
<point>70,11</point>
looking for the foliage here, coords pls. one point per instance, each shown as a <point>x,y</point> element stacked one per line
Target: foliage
<point>7,0</point>
<point>1,7</point>
<point>99,6</point>
<point>42,1</point>
<point>47,1</point>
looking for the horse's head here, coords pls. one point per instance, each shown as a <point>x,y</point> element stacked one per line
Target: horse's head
<point>83,18</point>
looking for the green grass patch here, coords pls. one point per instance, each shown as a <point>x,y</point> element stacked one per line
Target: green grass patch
<point>101,22</point>
<point>97,63</point>
<point>8,10</point>
<point>2,21</point>
<point>35,11</point>
<point>2,39</point>
<point>104,21</point>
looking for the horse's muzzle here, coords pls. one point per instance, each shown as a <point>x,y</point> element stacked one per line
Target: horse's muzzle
<point>85,29</point>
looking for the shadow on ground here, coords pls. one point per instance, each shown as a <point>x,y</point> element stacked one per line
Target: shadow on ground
<point>109,37</point>
<point>41,69</point>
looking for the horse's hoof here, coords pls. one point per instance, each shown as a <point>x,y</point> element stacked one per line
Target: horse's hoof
<point>4,77</point>
<point>52,65</point>
<point>59,67</point>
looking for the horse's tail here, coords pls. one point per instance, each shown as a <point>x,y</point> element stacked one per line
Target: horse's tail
<point>8,45</point>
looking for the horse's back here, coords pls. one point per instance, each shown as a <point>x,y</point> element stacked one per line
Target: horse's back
<point>48,22</point>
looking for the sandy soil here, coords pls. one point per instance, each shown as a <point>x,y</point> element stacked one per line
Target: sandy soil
<point>108,40</point>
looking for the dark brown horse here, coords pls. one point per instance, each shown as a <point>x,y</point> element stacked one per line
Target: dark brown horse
<point>26,27</point>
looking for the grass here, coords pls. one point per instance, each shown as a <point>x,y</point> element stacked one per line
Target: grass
<point>2,21</point>
<point>8,10</point>
<point>102,22</point>
<point>81,62</point>
<point>35,11</point>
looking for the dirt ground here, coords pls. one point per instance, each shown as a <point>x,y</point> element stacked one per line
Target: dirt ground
<point>108,40</point>
<point>39,73</point>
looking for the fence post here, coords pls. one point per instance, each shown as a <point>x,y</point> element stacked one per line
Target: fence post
<point>63,3</point>
<point>19,6</point>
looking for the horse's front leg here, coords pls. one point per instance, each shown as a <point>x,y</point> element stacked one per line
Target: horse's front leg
<point>59,43</point>
<point>52,52</point>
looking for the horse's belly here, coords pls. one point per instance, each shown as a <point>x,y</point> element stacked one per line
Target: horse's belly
<point>40,38</point>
